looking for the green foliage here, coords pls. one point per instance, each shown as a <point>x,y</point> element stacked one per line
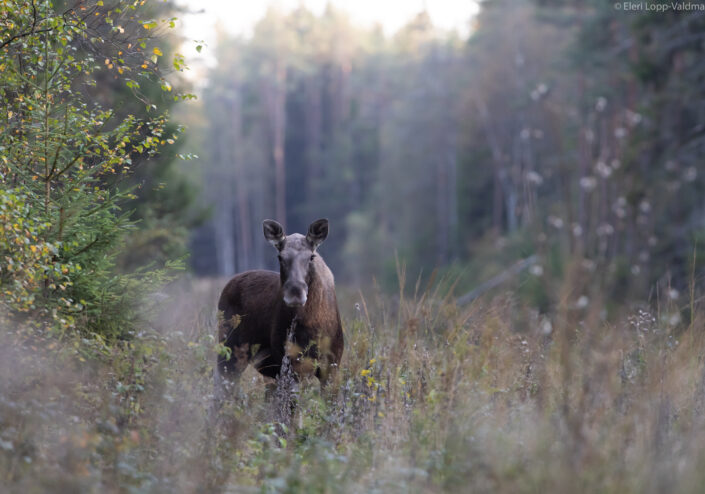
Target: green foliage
<point>25,257</point>
<point>64,159</point>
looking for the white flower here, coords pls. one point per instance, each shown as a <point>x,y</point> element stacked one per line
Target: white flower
<point>536,270</point>
<point>605,229</point>
<point>603,169</point>
<point>633,118</point>
<point>601,104</point>
<point>674,319</point>
<point>588,183</point>
<point>555,222</point>
<point>673,293</point>
<point>690,174</point>
<point>534,178</point>
<point>546,327</point>
<point>582,302</point>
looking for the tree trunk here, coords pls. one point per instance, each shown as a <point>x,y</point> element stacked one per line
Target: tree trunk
<point>275,98</point>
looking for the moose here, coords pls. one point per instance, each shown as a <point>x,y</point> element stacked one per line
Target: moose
<point>265,315</point>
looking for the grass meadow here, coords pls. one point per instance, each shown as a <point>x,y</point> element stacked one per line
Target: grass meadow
<point>430,397</point>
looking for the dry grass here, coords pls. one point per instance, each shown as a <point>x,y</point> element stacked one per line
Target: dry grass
<point>429,398</point>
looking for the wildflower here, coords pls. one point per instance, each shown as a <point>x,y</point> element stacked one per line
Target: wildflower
<point>588,183</point>
<point>633,118</point>
<point>603,169</point>
<point>589,264</point>
<point>605,229</point>
<point>601,104</point>
<point>555,222</point>
<point>690,174</point>
<point>546,327</point>
<point>534,178</point>
<point>582,302</point>
<point>365,372</point>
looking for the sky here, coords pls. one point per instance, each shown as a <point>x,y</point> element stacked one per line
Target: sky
<point>239,17</point>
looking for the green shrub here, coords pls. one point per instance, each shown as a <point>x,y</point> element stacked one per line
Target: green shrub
<point>63,159</point>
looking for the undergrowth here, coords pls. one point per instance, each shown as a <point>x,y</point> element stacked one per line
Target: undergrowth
<point>429,397</point>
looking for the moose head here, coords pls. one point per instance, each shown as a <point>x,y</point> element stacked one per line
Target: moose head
<point>297,255</point>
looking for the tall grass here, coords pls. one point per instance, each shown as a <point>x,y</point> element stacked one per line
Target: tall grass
<point>429,397</point>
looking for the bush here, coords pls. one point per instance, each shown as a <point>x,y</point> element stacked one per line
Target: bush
<point>64,158</point>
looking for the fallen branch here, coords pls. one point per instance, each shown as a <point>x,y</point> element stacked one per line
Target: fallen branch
<point>496,280</point>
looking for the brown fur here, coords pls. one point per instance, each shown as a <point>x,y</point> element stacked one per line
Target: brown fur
<point>255,321</point>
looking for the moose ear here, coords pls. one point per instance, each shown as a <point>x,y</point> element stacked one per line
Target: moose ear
<point>274,233</point>
<point>317,232</point>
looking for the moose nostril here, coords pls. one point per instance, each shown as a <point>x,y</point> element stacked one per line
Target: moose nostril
<point>295,295</point>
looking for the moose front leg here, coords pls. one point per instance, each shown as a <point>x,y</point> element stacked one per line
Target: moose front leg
<point>229,368</point>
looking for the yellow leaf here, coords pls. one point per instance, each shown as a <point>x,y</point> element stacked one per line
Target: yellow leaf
<point>157,51</point>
